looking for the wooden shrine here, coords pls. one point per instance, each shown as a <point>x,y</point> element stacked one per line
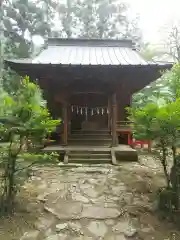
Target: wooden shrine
<point>88,83</point>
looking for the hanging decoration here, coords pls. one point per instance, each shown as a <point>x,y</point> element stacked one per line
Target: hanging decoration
<point>102,111</point>
<point>83,110</point>
<point>98,112</point>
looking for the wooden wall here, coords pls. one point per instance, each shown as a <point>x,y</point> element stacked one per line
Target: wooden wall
<point>57,94</point>
<point>124,97</point>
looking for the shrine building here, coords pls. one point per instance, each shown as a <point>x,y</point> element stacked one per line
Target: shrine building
<point>88,83</point>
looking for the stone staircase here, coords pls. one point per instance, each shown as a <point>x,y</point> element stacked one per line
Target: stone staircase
<point>89,146</point>
<point>92,147</point>
<point>89,156</point>
<point>90,138</point>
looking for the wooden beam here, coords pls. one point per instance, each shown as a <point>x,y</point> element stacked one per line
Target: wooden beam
<point>90,92</point>
<point>114,119</point>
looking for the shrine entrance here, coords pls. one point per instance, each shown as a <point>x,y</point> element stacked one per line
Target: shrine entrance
<point>89,111</point>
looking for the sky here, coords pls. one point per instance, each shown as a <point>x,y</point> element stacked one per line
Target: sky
<point>155,15</point>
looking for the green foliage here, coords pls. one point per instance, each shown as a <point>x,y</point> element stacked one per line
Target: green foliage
<point>25,122</point>
<point>23,19</point>
<point>164,90</point>
<point>10,81</point>
<point>161,123</point>
<point>40,158</point>
<point>29,112</point>
<point>167,200</point>
<point>156,92</point>
<point>172,41</point>
<point>150,52</point>
<point>96,19</point>
<point>156,121</point>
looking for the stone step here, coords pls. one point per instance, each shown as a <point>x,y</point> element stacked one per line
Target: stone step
<point>93,143</point>
<point>98,132</point>
<point>89,161</point>
<point>96,156</point>
<point>90,136</point>
<point>90,150</point>
<point>90,139</point>
<point>80,155</point>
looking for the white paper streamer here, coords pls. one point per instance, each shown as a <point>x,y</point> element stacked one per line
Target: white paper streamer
<point>83,110</point>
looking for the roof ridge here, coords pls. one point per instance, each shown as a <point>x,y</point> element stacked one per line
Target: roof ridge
<point>91,42</point>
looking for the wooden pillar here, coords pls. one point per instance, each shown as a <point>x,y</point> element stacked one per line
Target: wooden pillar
<point>114,119</point>
<point>109,113</point>
<point>65,123</point>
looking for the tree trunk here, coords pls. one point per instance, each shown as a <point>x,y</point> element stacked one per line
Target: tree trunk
<point>175,172</point>
<point>9,191</point>
<point>164,163</point>
<point>9,187</point>
<point>174,154</point>
<point>1,41</point>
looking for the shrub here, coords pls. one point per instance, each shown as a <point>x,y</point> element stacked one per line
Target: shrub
<point>24,124</point>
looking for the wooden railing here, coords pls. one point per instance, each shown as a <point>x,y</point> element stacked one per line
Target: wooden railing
<point>123,125</point>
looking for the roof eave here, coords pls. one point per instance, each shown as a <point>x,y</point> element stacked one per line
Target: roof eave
<point>151,65</point>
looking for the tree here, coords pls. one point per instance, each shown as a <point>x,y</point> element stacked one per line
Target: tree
<point>171,41</point>
<point>162,91</point>
<point>22,20</point>
<point>161,124</point>
<point>157,92</point>
<point>96,19</point>
<point>150,52</point>
<point>24,121</point>
<point>1,42</point>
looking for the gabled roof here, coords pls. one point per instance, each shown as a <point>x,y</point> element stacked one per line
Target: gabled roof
<point>88,52</point>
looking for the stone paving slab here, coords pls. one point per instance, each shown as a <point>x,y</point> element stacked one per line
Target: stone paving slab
<point>92,203</point>
<point>65,210</point>
<point>99,212</point>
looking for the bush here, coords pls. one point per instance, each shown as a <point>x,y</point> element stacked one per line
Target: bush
<point>24,123</point>
<point>162,125</point>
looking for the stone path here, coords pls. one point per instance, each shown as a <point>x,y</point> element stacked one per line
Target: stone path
<point>97,202</point>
